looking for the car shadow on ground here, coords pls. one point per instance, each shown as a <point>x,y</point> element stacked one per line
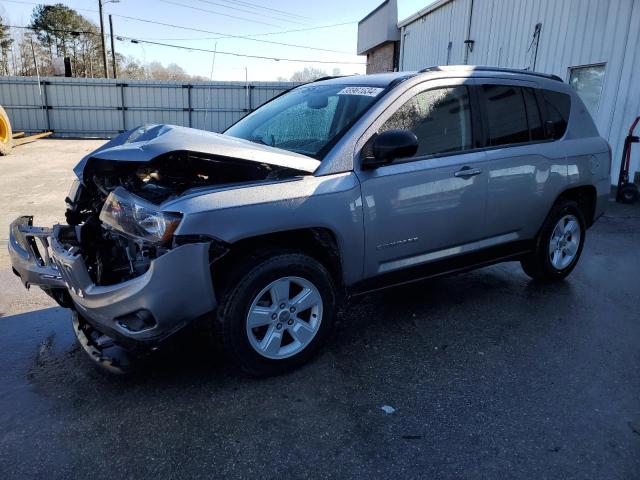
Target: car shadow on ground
<point>406,324</point>
<point>472,365</point>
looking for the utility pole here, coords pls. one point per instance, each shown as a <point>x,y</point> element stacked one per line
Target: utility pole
<point>247,98</point>
<point>35,62</point>
<point>104,49</point>
<point>13,60</point>
<point>113,47</point>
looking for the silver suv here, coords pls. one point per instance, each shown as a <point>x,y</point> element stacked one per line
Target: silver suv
<point>335,188</point>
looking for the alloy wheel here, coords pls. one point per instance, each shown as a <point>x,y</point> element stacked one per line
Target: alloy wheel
<point>564,242</point>
<point>284,317</point>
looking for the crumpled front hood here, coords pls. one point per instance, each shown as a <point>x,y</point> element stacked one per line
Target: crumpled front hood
<point>145,143</point>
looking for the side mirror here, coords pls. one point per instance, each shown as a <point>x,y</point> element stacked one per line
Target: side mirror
<point>389,146</point>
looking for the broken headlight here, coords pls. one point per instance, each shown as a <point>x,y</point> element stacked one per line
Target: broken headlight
<point>137,218</point>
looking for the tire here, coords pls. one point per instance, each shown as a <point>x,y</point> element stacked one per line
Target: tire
<point>6,134</point>
<point>280,339</point>
<point>628,193</point>
<point>555,257</point>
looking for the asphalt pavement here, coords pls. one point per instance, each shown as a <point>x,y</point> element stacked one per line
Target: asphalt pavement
<point>478,375</point>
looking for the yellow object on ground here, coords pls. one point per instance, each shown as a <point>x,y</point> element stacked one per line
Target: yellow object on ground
<point>6,135</point>
<point>30,138</point>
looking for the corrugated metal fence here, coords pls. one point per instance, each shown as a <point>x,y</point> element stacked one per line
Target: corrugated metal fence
<point>88,107</point>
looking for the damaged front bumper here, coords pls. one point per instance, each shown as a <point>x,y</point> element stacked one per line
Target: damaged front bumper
<point>32,266</point>
<point>176,289</point>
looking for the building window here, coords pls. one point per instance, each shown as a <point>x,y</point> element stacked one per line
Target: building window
<point>587,80</point>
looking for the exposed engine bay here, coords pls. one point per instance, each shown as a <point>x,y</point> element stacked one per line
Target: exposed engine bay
<point>113,256</point>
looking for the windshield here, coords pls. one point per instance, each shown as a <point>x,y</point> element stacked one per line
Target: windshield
<point>309,119</point>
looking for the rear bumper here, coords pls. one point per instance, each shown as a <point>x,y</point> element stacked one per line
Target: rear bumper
<point>603,191</point>
<point>176,289</point>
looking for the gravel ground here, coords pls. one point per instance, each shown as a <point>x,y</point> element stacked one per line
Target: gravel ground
<point>487,375</point>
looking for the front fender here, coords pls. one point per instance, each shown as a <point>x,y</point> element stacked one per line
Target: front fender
<point>333,202</point>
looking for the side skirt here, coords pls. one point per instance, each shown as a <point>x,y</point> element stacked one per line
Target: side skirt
<point>460,263</point>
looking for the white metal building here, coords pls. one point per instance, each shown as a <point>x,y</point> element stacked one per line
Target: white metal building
<point>592,44</point>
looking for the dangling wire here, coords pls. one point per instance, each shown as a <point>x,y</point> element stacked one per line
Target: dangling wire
<point>533,47</point>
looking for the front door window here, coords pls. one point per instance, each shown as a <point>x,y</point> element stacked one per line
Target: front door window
<point>440,118</point>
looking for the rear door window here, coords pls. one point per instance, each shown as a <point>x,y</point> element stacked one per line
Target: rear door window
<point>558,106</point>
<point>506,114</point>
<point>534,116</point>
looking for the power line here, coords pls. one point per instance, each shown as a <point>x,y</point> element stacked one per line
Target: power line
<point>174,3</point>
<point>170,2</point>
<point>238,2</point>
<point>251,12</point>
<point>47,5</point>
<point>72,32</point>
<point>220,35</point>
<point>254,34</point>
<point>235,54</point>
<point>225,35</point>
<point>304,29</point>
<point>249,4</point>
<point>194,49</point>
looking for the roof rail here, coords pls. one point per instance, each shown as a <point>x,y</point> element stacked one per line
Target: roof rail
<point>399,80</point>
<point>328,77</point>
<point>482,68</point>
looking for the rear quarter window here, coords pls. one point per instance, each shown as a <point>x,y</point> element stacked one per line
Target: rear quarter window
<point>558,107</point>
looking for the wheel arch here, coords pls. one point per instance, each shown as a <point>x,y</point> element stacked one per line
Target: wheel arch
<point>585,196</point>
<point>320,243</point>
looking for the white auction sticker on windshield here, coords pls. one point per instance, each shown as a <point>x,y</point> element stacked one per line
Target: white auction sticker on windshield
<point>367,91</point>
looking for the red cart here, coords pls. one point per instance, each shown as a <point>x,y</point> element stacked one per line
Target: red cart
<point>627,190</point>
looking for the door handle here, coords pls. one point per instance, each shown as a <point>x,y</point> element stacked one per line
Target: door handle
<point>467,172</point>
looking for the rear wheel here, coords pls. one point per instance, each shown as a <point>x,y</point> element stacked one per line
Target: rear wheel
<point>278,314</point>
<point>6,134</point>
<point>558,245</point>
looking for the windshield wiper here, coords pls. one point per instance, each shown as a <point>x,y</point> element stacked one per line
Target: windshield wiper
<point>258,140</point>
<point>261,141</point>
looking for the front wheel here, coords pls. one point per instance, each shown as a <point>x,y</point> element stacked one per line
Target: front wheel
<point>558,245</point>
<point>276,317</point>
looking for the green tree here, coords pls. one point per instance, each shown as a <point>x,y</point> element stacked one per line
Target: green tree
<point>58,31</point>
<point>63,32</point>
<point>6,43</point>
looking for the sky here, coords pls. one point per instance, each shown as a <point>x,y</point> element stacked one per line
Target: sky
<point>232,17</point>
